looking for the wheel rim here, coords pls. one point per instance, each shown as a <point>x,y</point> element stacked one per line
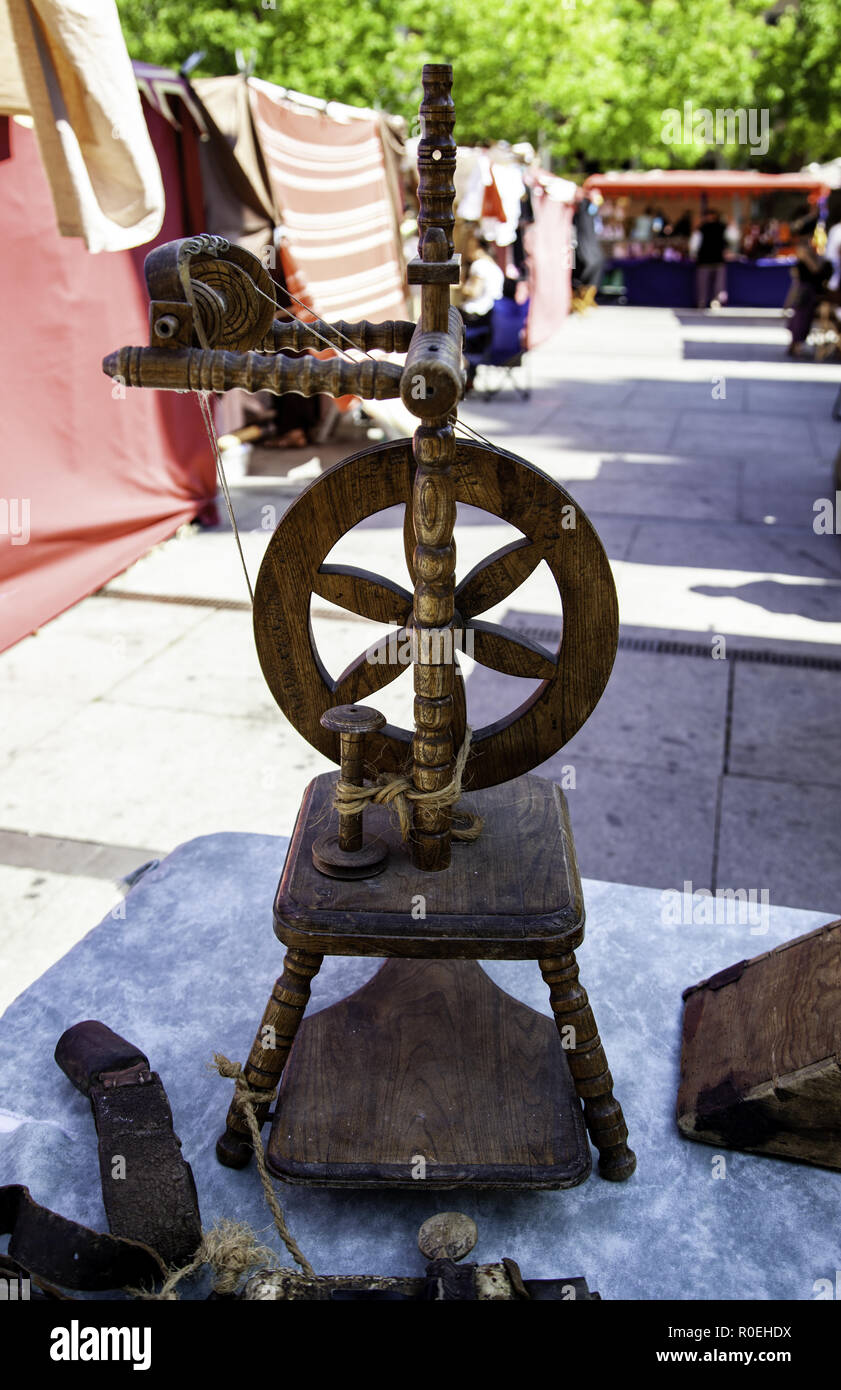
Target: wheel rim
<point>554,529</point>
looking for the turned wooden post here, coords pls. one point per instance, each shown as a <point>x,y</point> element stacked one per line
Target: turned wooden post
<point>269,1051</point>
<point>434,447</point>
<point>588,1064</point>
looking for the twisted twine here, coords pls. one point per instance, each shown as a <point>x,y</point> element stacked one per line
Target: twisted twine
<point>402,794</point>
<point>248,1099</point>
<point>230,1248</point>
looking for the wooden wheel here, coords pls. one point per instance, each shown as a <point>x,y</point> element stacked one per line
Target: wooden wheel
<point>554,529</point>
<point>231,291</point>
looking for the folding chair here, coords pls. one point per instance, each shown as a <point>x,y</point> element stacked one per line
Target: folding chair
<point>499,354</point>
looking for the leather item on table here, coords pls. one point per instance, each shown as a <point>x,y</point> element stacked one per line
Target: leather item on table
<point>52,1250</point>
<point>147,1186</point>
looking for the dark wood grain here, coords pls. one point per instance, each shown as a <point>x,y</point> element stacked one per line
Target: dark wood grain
<point>588,1065</point>
<point>512,894</point>
<point>359,591</point>
<point>296,335</point>
<point>434,361</point>
<point>507,487</point>
<point>761,1055</point>
<point>434,564</point>
<point>436,153</point>
<point>269,1051</point>
<point>232,291</point>
<point>429,1059</point>
<point>198,369</point>
<point>503,649</point>
<point>494,579</point>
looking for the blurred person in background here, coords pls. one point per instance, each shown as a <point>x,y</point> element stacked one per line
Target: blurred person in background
<point>481,289</point>
<point>588,266</point>
<point>812,273</point>
<point>709,243</point>
<point>832,253</point>
<point>683,226</point>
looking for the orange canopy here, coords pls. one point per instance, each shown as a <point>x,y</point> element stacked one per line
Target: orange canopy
<point>637,182</point>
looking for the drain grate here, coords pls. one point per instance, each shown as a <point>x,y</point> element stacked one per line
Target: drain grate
<point>239,605</point>
<point>549,636</point>
<point>761,656</point>
<point>668,647</point>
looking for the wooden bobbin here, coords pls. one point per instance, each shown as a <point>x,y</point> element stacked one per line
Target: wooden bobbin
<point>350,853</point>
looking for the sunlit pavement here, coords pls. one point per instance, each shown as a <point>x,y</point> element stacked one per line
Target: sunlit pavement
<point>698,451</point>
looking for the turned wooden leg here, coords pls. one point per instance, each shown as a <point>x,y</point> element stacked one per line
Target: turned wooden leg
<point>588,1064</point>
<point>269,1051</point>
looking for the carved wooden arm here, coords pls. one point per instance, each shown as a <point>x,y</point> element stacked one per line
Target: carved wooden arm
<point>203,369</point>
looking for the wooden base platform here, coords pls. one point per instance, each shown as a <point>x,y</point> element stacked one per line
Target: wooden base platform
<point>429,1076</point>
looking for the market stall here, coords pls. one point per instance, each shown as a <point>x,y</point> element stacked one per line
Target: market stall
<point>526,215</point>
<point>648,218</point>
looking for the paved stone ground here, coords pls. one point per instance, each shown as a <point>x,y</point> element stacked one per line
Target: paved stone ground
<point>140,719</point>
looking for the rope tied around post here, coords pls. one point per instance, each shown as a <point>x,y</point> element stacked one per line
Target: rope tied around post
<point>401,793</point>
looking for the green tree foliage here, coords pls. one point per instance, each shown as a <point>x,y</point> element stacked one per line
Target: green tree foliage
<point>586,79</point>
<point>801,83</point>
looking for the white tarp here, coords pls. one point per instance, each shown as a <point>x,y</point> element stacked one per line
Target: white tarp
<point>64,66</point>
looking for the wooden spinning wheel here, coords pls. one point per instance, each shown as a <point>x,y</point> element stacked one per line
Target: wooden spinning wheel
<point>555,531</point>
<point>429,1058</point>
<point>206,291</point>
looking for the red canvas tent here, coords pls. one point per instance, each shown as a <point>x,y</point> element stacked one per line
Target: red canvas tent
<point>100,479</point>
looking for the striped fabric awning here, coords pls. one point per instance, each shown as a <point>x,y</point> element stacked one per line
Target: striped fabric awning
<point>329,180</point>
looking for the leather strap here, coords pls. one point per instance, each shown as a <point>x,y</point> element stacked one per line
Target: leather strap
<point>147,1186</point>
<point>52,1250</point>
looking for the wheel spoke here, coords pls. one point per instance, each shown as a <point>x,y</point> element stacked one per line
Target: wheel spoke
<point>373,669</point>
<point>496,578</point>
<point>509,652</point>
<point>409,540</point>
<point>459,708</point>
<point>369,595</point>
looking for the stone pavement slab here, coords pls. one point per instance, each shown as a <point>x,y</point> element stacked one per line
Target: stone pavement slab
<point>644,825</point>
<point>658,711</point>
<point>86,650</point>
<point>785,725</point>
<point>812,399</point>
<point>128,774</point>
<point>212,669</point>
<point>781,836</point>
<point>52,911</point>
<point>646,493</point>
<point>746,603</point>
<point>711,431</point>
<point>707,397</point>
<point>774,548</point>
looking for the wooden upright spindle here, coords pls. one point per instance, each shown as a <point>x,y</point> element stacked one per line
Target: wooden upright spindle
<point>436,154</point>
<point>433,500</point>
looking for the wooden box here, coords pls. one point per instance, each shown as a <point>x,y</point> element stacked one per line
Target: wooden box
<point>761,1058</point>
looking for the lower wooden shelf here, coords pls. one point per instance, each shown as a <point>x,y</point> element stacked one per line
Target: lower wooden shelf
<point>430,1075</point>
